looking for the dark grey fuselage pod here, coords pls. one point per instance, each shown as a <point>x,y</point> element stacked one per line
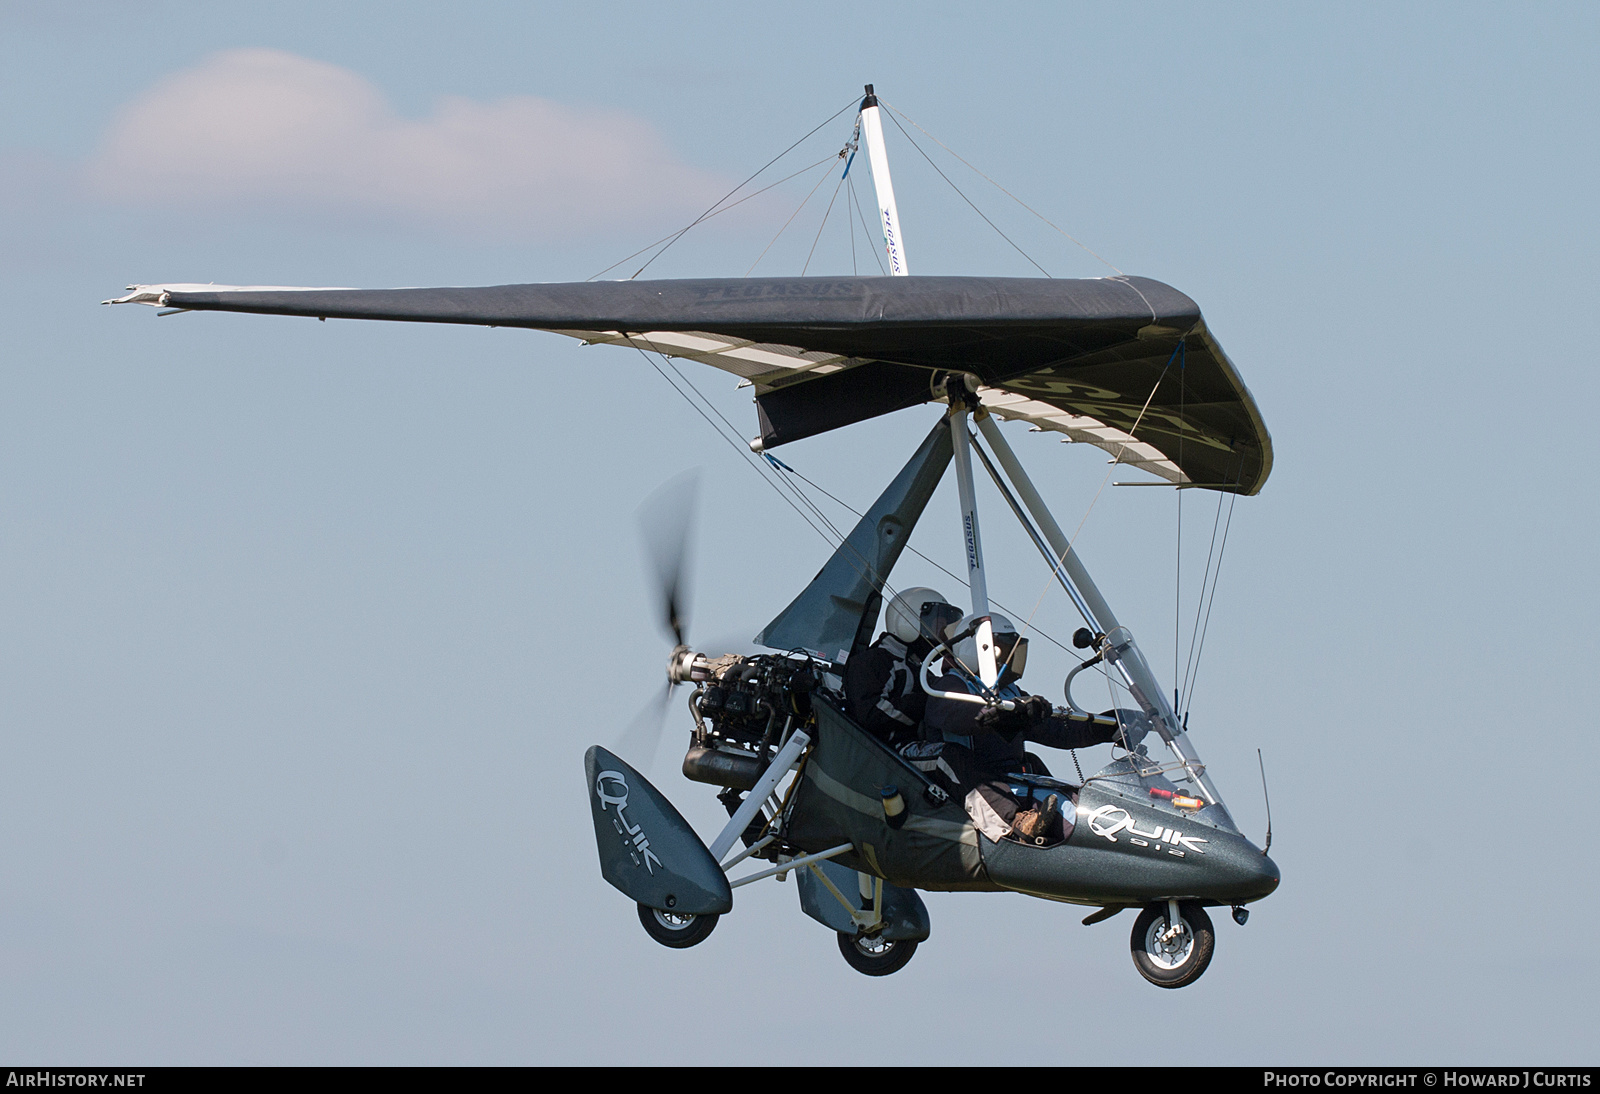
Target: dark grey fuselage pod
<point>1122,851</point>
<point>647,850</point>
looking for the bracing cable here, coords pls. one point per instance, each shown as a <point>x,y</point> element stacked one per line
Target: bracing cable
<point>730,433</point>
<point>935,564</point>
<point>966,199</point>
<point>726,208</point>
<point>796,498</point>
<point>872,247</point>
<point>1177,582</point>
<point>785,228</point>
<point>1199,606</point>
<point>826,213</point>
<point>701,411</point>
<point>1205,627</point>
<point>1004,191</point>
<point>1115,460</point>
<point>670,240</point>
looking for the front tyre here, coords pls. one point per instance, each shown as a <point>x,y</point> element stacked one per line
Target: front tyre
<point>1168,958</point>
<point>675,929</point>
<point>876,955</point>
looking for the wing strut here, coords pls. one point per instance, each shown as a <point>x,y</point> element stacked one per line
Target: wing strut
<point>988,667</point>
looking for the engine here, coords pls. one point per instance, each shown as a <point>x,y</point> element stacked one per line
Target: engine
<point>744,708</point>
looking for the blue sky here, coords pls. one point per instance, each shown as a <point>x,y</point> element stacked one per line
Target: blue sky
<point>308,625</point>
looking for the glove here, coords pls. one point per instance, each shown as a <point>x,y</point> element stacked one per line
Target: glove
<point>1027,712</point>
<point>1038,709</point>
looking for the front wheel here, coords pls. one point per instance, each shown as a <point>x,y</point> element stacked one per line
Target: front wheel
<point>1168,958</point>
<point>876,955</point>
<point>675,929</point>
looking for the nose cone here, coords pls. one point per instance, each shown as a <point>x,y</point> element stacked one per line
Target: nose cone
<point>1266,876</point>
<point>1250,874</point>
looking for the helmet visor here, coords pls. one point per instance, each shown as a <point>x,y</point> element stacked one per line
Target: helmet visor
<point>935,617</point>
<point>1012,651</point>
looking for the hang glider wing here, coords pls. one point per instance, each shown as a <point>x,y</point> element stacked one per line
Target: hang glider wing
<point>1124,363</point>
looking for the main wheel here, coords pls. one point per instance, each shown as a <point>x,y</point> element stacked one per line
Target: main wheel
<point>676,929</point>
<point>875,955</point>
<point>1171,959</point>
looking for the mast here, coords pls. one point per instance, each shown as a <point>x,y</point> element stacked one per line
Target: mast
<point>988,666</point>
<point>888,217</point>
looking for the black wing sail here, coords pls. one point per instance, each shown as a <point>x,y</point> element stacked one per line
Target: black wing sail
<point>1123,363</point>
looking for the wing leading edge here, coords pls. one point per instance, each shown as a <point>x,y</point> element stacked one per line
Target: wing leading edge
<point>1125,364</point>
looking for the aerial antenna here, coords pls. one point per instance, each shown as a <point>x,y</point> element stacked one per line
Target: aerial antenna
<point>1268,800</point>
<point>888,216</point>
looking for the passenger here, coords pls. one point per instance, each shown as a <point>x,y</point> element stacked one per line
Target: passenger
<point>881,682</point>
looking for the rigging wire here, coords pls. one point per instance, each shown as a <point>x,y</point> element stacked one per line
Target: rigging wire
<point>964,197</point>
<point>1003,190</point>
<point>1207,625</point>
<point>1123,447</point>
<point>1113,462</point>
<point>1194,632</point>
<point>736,446</point>
<point>1177,597</point>
<point>849,227</point>
<point>732,436</point>
<point>872,246</point>
<point>1177,583</point>
<point>796,498</point>
<point>709,212</point>
<point>848,154</point>
<point>823,178</point>
<point>778,482</point>
<point>729,433</point>
<point>826,213</point>
<point>1033,534</point>
<point>936,565</point>
<point>719,212</point>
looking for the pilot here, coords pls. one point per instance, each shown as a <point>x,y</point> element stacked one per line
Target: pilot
<point>983,742</point>
<point>881,682</point>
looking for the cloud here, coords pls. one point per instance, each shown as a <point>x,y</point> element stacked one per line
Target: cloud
<point>263,131</point>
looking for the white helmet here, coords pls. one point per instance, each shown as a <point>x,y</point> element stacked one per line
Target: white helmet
<point>914,614</point>
<point>1011,649</point>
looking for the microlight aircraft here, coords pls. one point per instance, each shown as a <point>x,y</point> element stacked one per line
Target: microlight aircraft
<point>808,791</point>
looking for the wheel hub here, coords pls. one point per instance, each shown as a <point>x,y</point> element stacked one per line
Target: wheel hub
<point>874,945</point>
<point>1169,946</point>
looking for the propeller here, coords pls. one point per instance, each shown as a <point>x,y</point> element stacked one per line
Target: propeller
<point>666,522</point>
